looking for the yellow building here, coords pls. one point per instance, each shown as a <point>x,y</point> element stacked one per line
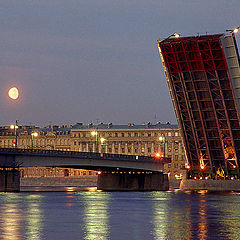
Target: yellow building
<point>147,139</point>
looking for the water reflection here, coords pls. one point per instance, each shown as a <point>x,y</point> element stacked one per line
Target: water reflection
<point>202,224</point>
<point>10,217</point>
<point>119,215</point>
<point>195,216</point>
<point>96,215</point>
<point>34,217</point>
<point>160,219</point>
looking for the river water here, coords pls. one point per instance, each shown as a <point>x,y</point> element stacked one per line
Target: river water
<point>70,214</point>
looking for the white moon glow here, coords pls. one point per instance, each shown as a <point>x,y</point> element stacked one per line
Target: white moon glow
<point>13,93</point>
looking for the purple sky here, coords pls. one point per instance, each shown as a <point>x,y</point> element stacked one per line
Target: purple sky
<point>88,61</point>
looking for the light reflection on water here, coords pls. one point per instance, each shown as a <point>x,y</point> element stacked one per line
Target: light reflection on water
<point>34,217</point>
<point>10,217</point>
<point>96,215</point>
<point>93,215</point>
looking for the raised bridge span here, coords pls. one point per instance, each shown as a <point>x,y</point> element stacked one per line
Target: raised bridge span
<point>119,172</point>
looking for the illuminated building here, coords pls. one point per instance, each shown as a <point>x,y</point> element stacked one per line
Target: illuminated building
<point>118,139</point>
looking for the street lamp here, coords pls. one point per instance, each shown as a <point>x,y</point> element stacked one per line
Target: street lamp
<point>15,127</point>
<point>33,134</point>
<point>176,35</point>
<point>102,140</point>
<point>235,30</point>
<point>162,139</point>
<point>95,134</point>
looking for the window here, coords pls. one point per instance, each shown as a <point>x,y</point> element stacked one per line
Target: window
<point>176,134</point>
<point>110,150</point>
<point>149,134</point>
<point>169,134</point>
<point>136,134</point>
<point>129,150</point>
<point>129,134</point>
<point>123,150</point>
<point>122,134</point>
<point>149,150</point>
<point>116,134</point>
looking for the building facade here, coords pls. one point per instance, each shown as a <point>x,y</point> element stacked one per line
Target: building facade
<point>147,139</point>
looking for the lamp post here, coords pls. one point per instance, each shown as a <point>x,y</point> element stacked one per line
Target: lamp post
<point>162,140</point>
<point>235,30</point>
<point>176,35</point>
<point>15,127</point>
<point>33,134</point>
<point>102,140</point>
<point>95,134</point>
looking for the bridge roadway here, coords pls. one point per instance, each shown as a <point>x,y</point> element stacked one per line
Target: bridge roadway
<point>16,157</point>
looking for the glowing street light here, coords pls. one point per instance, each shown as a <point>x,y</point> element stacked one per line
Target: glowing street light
<point>15,127</point>
<point>176,35</point>
<point>95,134</point>
<point>33,134</point>
<point>102,140</point>
<point>235,30</point>
<point>162,140</point>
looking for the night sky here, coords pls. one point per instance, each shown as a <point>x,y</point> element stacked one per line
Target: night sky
<point>95,61</point>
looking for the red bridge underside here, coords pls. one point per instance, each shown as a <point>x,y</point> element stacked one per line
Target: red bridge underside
<point>204,101</point>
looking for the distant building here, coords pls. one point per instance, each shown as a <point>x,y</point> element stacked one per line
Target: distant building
<point>108,138</point>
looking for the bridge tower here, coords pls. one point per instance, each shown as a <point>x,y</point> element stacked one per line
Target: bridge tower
<point>203,77</point>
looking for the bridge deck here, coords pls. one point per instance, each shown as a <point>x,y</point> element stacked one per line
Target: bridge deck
<point>89,160</point>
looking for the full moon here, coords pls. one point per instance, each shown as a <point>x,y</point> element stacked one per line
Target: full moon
<point>13,93</point>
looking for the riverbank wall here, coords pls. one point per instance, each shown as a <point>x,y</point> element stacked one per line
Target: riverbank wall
<point>81,181</point>
<point>210,184</point>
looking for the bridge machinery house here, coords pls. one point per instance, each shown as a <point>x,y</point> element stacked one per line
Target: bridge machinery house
<point>146,139</point>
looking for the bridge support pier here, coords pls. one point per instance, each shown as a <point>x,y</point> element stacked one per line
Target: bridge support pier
<point>132,181</point>
<point>9,180</point>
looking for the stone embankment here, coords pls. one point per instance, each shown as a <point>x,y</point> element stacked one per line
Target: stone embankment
<point>82,181</point>
<point>210,184</point>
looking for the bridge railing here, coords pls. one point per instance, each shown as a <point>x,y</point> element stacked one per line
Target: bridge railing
<point>77,154</point>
